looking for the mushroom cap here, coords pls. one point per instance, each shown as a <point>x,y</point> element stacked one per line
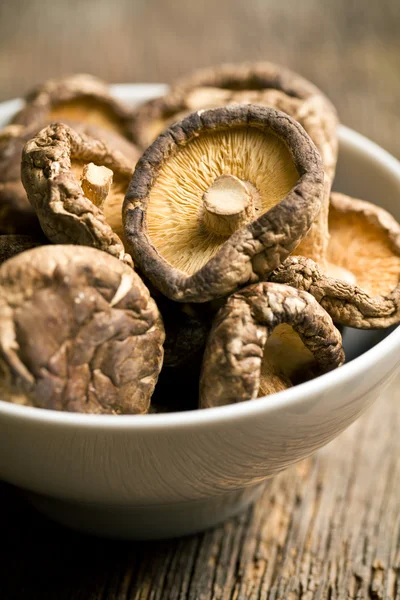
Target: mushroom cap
<point>52,164</point>
<point>365,242</point>
<point>16,213</point>
<point>11,245</point>
<point>262,83</point>
<point>240,83</point>
<point>237,362</point>
<point>162,211</point>
<point>78,332</point>
<point>81,98</point>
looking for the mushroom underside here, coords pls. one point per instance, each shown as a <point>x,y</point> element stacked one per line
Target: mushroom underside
<point>265,339</point>
<point>186,231</point>
<point>286,361</point>
<point>363,246</point>
<point>76,185</point>
<point>361,287</point>
<point>90,111</point>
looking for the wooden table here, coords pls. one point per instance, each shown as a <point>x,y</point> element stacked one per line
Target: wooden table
<point>329,528</point>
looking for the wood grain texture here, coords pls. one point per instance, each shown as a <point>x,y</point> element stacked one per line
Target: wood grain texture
<point>328,528</point>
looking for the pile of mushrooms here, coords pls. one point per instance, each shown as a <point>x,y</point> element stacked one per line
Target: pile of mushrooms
<point>194,238</point>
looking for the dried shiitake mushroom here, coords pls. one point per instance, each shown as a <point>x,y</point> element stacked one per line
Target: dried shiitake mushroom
<point>364,248</point>
<point>257,83</point>
<point>81,101</point>
<point>248,355</point>
<point>76,185</point>
<point>11,245</point>
<point>220,199</point>
<point>80,98</point>
<point>16,213</point>
<point>78,332</point>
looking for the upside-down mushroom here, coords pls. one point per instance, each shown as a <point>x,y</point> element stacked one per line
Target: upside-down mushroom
<point>78,332</point>
<point>76,184</point>
<point>16,213</point>
<point>262,83</point>
<point>364,250</point>
<point>220,199</point>
<point>248,354</point>
<point>81,101</point>
<point>80,98</point>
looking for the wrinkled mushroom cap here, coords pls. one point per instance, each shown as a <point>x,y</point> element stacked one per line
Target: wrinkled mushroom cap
<point>365,250</point>
<point>255,83</point>
<point>261,83</point>
<point>250,352</point>
<point>16,213</point>
<point>78,332</point>
<point>79,98</point>
<point>71,206</point>
<point>251,167</point>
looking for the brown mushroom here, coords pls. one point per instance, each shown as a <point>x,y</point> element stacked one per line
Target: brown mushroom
<point>257,83</point>
<point>80,98</point>
<point>364,250</point>
<point>11,245</point>
<point>78,332</point>
<point>220,199</point>
<point>76,185</point>
<point>248,354</point>
<point>16,213</point>
<point>81,101</point>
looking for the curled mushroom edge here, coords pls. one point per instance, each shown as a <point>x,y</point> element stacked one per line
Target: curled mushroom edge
<point>364,252</point>
<point>265,339</point>
<point>199,222</point>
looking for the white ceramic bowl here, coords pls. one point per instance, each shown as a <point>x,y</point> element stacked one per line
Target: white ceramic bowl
<point>164,475</point>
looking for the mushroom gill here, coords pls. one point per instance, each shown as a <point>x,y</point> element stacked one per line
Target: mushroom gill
<point>285,361</point>
<point>264,339</point>
<point>362,244</point>
<point>183,226</point>
<point>362,287</point>
<point>90,111</point>
<point>78,98</point>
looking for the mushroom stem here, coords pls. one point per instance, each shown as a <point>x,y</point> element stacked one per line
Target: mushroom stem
<point>228,205</point>
<point>96,183</point>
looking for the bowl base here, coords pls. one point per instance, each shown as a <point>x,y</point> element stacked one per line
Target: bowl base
<point>157,521</point>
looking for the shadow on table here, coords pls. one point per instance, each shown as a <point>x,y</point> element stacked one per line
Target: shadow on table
<point>40,559</point>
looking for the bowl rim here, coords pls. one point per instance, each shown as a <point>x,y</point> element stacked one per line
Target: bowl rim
<point>248,409</point>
